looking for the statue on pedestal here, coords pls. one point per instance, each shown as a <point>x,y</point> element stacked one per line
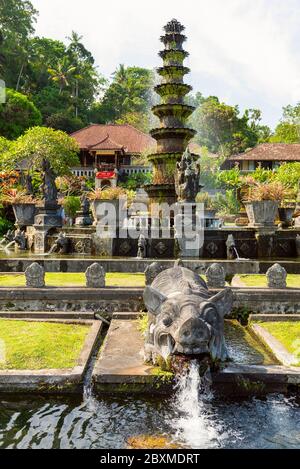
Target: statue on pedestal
<point>187,178</point>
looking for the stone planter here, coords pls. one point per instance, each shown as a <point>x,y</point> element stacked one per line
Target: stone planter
<point>24,214</point>
<point>286,215</point>
<point>108,209</point>
<point>262,213</point>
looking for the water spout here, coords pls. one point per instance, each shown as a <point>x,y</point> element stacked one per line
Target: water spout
<point>196,424</point>
<point>6,248</point>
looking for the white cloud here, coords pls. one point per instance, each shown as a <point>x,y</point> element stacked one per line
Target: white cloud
<point>245,50</point>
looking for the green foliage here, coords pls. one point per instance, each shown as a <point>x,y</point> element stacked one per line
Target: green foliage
<point>71,205</point>
<point>143,323</point>
<point>221,128</point>
<point>289,174</point>
<point>41,143</point>
<point>44,68</point>
<point>139,120</point>
<point>5,225</point>
<point>4,149</point>
<point>128,93</point>
<point>206,199</point>
<point>17,20</point>
<point>230,178</point>
<point>17,114</point>
<point>137,180</point>
<point>210,166</point>
<point>288,130</point>
<point>65,122</point>
<point>228,204</point>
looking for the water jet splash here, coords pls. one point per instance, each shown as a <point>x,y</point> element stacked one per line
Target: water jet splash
<point>195,424</point>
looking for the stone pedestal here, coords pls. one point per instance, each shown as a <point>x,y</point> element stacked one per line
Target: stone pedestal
<point>188,229</point>
<point>83,219</point>
<point>46,219</point>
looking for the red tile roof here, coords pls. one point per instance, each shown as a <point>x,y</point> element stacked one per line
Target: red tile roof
<point>107,144</point>
<point>133,140</point>
<point>270,152</point>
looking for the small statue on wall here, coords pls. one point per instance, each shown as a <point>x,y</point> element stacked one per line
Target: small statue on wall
<point>187,177</point>
<point>61,245</point>
<point>142,247</point>
<point>20,239</point>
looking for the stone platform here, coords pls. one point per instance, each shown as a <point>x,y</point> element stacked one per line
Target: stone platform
<point>120,367</point>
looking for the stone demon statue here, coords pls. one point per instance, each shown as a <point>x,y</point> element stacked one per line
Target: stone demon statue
<point>184,317</point>
<point>187,176</point>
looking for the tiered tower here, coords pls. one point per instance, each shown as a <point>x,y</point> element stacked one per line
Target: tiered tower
<point>173,135</point>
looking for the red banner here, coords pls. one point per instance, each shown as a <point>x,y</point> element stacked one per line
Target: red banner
<point>105,175</point>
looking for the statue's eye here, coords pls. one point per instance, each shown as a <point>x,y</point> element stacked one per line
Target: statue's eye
<point>210,316</point>
<point>167,321</point>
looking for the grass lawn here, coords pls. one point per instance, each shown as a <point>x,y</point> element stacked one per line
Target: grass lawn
<point>37,345</point>
<point>293,280</point>
<point>75,279</point>
<point>288,333</point>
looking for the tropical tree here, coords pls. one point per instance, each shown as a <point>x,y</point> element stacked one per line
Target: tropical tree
<point>62,74</point>
<point>221,128</point>
<point>17,18</point>
<point>128,93</point>
<point>42,143</point>
<point>288,130</point>
<point>17,114</point>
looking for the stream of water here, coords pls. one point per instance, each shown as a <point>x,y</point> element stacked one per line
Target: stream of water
<point>192,418</point>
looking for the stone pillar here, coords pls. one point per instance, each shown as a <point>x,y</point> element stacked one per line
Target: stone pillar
<point>215,275</point>
<point>276,276</point>
<point>46,219</point>
<point>189,229</point>
<point>95,276</point>
<point>35,276</point>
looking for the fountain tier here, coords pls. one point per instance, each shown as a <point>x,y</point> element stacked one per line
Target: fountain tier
<point>173,135</point>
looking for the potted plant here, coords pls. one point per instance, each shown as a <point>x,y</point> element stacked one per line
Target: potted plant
<point>71,205</point>
<point>287,209</point>
<point>103,199</point>
<point>208,202</point>
<point>261,202</point>
<point>23,204</point>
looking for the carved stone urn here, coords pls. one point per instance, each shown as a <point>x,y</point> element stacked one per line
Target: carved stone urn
<point>262,213</point>
<point>24,213</point>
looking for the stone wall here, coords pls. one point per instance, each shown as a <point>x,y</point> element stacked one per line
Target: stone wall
<point>109,300</point>
<point>70,264</point>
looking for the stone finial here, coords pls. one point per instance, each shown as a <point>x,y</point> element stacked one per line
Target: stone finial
<point>35,276</point>
<point>95,276</point>
<point>215,275</point>
<point>152,271</point>
<point>276,276</point>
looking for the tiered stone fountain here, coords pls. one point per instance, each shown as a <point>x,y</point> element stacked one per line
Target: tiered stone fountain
<point>173,135</point>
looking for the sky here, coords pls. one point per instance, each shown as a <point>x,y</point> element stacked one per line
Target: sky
<point>246,52</point>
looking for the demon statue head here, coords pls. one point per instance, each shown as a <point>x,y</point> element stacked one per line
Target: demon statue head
<point>184,317</point>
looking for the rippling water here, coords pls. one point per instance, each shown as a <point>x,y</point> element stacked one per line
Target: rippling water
<point>108,423</point>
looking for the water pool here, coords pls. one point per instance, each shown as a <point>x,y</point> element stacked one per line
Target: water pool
<point>273,422</point>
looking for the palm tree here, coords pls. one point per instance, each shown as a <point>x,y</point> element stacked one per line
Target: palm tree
<point>62,74</point>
